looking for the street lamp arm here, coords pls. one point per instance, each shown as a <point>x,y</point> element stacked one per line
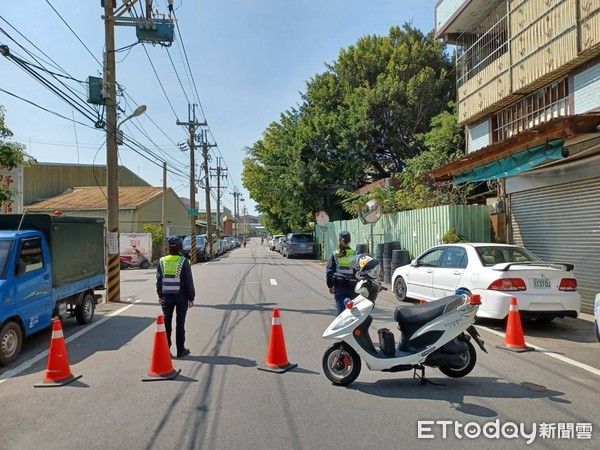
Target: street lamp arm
<point>138,112</point>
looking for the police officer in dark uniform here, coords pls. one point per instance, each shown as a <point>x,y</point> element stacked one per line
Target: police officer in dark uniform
<point>175,289</point>
<point>340,277</point>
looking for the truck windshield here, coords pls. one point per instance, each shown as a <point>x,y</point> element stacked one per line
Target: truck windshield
<point>5,251</point>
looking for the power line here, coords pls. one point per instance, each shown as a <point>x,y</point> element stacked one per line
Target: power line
<point>178,79</point>
<point>52,62</point>
<point>45,109</point>
<point>75,34</point>
<point>160,82</point>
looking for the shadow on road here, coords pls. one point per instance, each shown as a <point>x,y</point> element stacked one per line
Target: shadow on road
<point>455,391</point>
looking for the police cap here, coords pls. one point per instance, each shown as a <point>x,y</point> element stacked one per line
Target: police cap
<point>344,236</point>
<point>175,241</point>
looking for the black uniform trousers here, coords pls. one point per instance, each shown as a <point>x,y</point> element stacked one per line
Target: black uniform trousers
<point>179,304</point>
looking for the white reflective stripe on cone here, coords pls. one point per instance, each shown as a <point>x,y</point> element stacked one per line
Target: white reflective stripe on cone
<point>160,328</point>
<point>57,334</point>
<point>276,321</point>
<point>513,308</point>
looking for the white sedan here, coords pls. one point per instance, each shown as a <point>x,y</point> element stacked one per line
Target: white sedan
<point>497,272</point>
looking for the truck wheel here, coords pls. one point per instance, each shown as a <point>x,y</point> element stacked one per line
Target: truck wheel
<point>84,313</point>
<point>145,265</point>
<point>11,340</point>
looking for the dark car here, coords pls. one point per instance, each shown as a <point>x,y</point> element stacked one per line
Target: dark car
<point>296,244</point>
<point>201,254</point>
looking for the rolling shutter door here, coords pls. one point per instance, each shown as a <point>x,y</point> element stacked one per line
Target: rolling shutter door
<point>562,223</point>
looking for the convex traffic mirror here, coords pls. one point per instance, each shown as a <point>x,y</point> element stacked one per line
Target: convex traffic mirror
<point>370,211</point>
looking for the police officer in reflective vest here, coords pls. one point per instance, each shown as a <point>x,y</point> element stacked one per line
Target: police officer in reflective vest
<point>175,289</point>
<point>340,277</point>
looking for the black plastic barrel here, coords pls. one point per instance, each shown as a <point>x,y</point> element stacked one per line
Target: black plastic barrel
<point>361,248</point>
<point>401,257</point>
<point>389,247</point>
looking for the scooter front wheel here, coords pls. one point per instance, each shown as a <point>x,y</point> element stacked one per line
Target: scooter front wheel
<point>341,367</point>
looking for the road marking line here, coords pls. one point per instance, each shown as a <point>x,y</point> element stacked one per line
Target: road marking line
<point>27,364</point>
<point>550,353</point>
<point>273,281</point>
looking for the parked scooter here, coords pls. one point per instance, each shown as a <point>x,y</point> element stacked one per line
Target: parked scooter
<point>431,334</point>
<point>139,261</point>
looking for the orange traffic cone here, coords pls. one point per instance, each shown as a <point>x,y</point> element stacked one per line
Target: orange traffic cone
<point>277,360</point>
<point>421,302</point>
<point>514,340</point>
<point>161,367</point>
<point>58,372</point>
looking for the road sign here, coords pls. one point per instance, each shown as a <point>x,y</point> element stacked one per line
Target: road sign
<point>322,218</point>
<point>192,212</point>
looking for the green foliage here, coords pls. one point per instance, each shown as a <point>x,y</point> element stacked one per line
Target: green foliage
<point>452,237</point>
<point>158,236</point>
<point>157,233</point>
<point>12,155</point>
<point>444,142</point>
<point>359,121</point>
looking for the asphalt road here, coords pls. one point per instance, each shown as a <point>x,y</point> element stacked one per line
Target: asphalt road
<point>221,401</point>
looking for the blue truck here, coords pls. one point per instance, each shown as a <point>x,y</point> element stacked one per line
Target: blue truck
<point>50,266</point>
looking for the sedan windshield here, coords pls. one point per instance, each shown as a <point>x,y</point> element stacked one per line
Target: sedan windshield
<point>491,256</point>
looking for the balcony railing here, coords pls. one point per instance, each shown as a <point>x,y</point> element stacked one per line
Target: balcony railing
<point>481,46</point>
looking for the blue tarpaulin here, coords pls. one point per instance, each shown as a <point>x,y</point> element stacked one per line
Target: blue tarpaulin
<point>514,164</point>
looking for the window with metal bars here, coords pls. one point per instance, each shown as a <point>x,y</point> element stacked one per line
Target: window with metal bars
<point>539,107</point>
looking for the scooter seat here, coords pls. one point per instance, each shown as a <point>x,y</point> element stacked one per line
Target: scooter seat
<point>423,313</point>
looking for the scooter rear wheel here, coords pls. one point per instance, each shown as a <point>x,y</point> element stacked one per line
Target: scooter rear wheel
<point>344,369</point>
<point>470,359</point>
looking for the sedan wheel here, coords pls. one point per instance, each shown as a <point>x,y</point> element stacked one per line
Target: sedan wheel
<point>400,289</point>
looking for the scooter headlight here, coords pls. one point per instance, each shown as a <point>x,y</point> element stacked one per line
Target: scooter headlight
<point>344,323</point>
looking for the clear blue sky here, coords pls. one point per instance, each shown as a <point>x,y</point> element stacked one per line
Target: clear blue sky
<point>249,60</point>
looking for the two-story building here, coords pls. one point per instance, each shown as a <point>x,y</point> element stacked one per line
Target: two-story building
<point>528,94</point>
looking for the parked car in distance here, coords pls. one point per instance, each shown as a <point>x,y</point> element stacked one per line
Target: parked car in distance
<point>497,272</point>
<point>298,244</point>
<point>231,242</point>
<point>201,251</point>
<point>273,241</point>
<point>279,243</point>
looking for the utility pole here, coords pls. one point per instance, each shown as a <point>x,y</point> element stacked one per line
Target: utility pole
<point>113,281</point>
<point>236,209</point>
<point>192,124</point>
<point>114,17</point>
<point>205,147</point>
<point>163,216</point>
<point>219,171</point>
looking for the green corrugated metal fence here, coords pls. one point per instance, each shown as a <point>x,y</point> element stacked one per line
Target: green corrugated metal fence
<point>416,230</point>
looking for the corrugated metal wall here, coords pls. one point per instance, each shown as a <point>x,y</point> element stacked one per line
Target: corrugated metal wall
<point>416,230</point>
<point>562,223</point>
<point>44,180</point>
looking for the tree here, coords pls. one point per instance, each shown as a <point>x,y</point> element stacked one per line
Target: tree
<point>358,122</point>
<point>444,142</point>
<point>12,154</point>
<point>158,236</point>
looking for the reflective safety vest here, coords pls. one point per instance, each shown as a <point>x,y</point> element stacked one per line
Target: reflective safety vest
<point>171,266</point>
<point>343,270</point>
